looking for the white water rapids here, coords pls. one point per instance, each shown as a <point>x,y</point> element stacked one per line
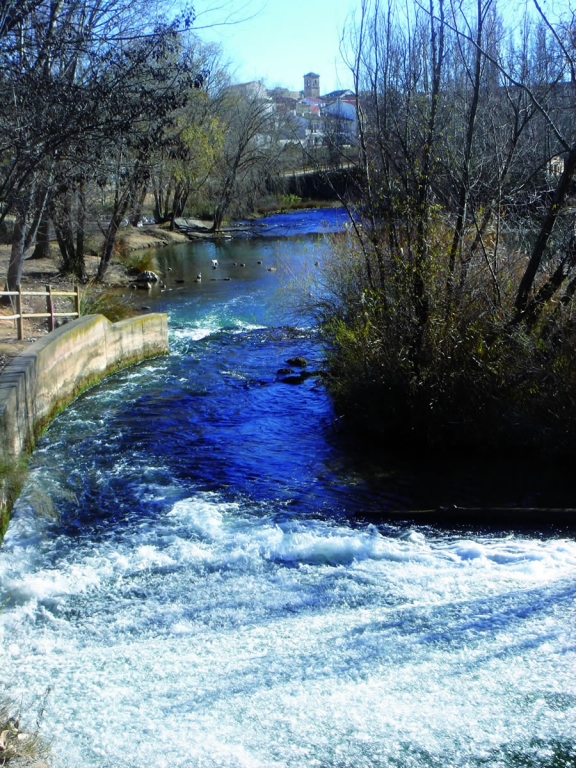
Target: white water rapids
<point>212,637</point>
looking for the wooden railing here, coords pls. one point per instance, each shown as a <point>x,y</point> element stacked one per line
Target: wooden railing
<point>19,315</point>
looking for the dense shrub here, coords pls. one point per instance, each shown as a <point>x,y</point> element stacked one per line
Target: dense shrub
<point>466,376</point>
<point>448,308</point>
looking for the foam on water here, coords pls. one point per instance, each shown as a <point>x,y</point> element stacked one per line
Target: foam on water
<point>219,637</point>
<point>202,331</point>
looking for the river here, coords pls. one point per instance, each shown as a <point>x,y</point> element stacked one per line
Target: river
<point>199,573</point>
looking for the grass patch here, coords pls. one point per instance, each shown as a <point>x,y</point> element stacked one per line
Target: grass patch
<point>108,302</point>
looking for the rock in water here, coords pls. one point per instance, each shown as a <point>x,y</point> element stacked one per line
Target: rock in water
<point>297,362</point>
<point>147,277</point>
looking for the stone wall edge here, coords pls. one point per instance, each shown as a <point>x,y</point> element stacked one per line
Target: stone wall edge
<point>54,370</point>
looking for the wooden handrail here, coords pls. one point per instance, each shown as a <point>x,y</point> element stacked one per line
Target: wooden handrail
<point>19,315</point>
<point>38,293</point>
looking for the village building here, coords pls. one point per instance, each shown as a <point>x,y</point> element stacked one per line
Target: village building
<point>313,120</point>
<point>252,90</point>
<point>339,113</point>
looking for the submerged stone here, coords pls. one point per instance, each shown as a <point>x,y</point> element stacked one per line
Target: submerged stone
<point>297,362</point>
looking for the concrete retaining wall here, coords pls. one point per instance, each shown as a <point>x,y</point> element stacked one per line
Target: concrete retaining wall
<point>54,370</point>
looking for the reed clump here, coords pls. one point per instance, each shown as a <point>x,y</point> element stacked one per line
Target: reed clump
<point>108,302</point>
<point>138,261</point>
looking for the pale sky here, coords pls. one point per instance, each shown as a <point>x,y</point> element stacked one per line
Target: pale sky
<point>279,41</point>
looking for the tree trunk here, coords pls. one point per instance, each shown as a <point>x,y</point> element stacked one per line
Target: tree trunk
<point>64,233</point>
<point>120,209</point>
<point>421,302</point>
<point>79,266</point>
<point>224,203</point>
<point>527,282</point>
<point>14,275</point>
<point>219,213</point>
<point>180,199</point>
<point>464,184</point>
<point>42,249</point>
<point>15,265</point>
<point>137,212</point>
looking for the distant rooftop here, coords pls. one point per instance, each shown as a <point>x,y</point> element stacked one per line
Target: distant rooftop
<point>343,94</point>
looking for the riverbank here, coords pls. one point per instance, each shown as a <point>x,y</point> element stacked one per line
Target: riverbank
<point>37,273</point>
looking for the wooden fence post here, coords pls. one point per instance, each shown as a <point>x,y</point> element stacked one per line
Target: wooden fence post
<point>50,307</point>
<point>77,300</point>
<point>20,319</point>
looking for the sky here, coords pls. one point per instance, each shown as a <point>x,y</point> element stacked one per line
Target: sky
<point>279,41</point>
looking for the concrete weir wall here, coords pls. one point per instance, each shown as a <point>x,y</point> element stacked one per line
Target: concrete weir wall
<point>41,381</point>
<point>37,384</point>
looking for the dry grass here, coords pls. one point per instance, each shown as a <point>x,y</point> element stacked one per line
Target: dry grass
<point>21,747</point>
<point>108,302</point>
<point>139,261</point>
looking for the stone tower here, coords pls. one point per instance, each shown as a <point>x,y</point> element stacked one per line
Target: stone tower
<point>312,85</point>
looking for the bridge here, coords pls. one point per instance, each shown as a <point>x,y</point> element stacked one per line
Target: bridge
<point>322,183</point>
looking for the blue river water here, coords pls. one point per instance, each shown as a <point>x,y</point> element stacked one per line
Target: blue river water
<point>199,572</point>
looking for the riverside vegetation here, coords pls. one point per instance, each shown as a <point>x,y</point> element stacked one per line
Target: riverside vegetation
<point>449,304</point>
<point>110,109</point>
<point>20,747</point>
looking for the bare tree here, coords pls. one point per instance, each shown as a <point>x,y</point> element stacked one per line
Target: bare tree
<point>250,150</point>
<point>75,74</point>
<point>183,164</point>
<point>463,297</point>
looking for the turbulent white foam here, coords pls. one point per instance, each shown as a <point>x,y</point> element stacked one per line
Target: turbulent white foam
<point>193,333</point>
<point>212,636</point>
<point>204,517</point>
<point>203,330</point>
<point>320,542</point>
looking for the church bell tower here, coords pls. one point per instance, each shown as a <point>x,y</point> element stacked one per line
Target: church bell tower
<point>312,85</point>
